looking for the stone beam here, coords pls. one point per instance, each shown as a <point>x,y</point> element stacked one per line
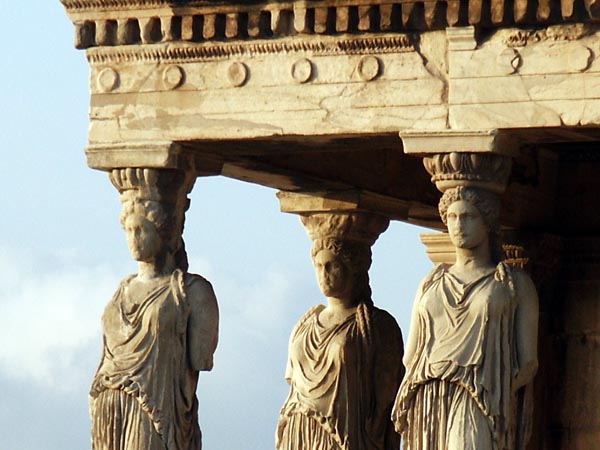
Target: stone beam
<point>310,87</point>
<point>157,155</point>
<point>260,91</point>
<point>451,141</point>
<point>523,78</point>
<point>439,248</point>
<point>345,201</point>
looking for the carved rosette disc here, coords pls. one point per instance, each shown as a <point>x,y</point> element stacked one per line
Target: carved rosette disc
<point>302,70</point>
<point>580,58</point>
<point>107,80</point>
<point>368,68</point>
<point>237,73</point>
<point>173,77</point>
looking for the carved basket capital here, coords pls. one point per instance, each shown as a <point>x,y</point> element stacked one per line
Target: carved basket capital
<point>482,170</point>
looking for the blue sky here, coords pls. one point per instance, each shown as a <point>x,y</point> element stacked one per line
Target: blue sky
<point>62,254</point>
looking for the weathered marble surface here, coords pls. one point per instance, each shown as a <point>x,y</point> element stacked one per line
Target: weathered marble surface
<point>471,354</point>
<point>342,84</point>
<point>160,329</point>
<point>344,363</point>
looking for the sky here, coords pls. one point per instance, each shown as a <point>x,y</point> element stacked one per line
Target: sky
<point>63,253</point>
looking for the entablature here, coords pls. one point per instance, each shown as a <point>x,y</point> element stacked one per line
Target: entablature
<point>311,96</point>
<point>132,22</point>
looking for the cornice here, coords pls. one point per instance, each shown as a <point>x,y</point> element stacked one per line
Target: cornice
<point>178,53</point>
<point>131,22</point>
<point>78,5</point>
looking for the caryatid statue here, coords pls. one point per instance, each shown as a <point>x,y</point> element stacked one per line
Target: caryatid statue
<point>344,364</point>
<point>471,354</point>
<point>160,328</point>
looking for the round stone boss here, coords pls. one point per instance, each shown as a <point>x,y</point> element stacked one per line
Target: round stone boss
<point>302,70</point>
<point>107,80</point>
<point>237,73</point>
<point>173,76</point>
<point>368,67</point>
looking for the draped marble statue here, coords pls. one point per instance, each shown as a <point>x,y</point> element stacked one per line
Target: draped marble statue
<point>344,364</point>
<point>471,354</point>
<point>160,328</point>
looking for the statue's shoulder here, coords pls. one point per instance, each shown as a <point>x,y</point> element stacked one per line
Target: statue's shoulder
<point>195,279</point>
<point>194,287</point>
<point>387,337</point>
<point>524,285</point>
<point>383,318</point>
<point>436,273</point>
<point>517,280</point>
<point>385,324</point>
<point>520,276</point>
<point>312,312</point>
<point>120,288</point>
<point>125,281</point>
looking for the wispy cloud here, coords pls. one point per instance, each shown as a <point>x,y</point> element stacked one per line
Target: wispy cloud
<point>48,316</point>
<point>246,389</point>
<point>51,343</point>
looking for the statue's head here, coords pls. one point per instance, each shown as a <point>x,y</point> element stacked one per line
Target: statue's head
<point>471,214</point>
<point>154,204</point>
<point>341,267</point>
<point>145,226</point>
<point>341,251</point>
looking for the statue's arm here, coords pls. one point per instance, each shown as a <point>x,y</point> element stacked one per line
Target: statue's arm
<point>388,373</point>
<point>388,357</point>
<point>203,325</point>
<point>289,369</point>
<point>414,330</point>
<point>526,328</point>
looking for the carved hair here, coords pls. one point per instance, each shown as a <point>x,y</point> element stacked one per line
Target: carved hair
<point>160,197</point>
<point>148,209</point>
<point>357,257</point>
<point>488,205</point>
<point>350,236</point>
<point>163,218</point>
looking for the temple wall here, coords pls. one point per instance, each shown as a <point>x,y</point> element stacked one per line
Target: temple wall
<point>575,421</point>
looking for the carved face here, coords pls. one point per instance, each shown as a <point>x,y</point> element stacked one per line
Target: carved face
<point>466,226</point>
<point>333,274</point>
<point>143,239</point>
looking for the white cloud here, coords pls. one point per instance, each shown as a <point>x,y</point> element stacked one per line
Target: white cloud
<point>260,305</point>
<point>51,342</point>
<point>246,388</point>
<point>49,316</point>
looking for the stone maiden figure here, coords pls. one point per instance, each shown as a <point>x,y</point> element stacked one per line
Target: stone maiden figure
<point>472,346</point>
<point>159,329</point>
<point>344,364</point>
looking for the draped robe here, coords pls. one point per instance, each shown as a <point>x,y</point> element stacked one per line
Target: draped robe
<point>143,396</point>
<point>341,392</point>
<point>457,393</point>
